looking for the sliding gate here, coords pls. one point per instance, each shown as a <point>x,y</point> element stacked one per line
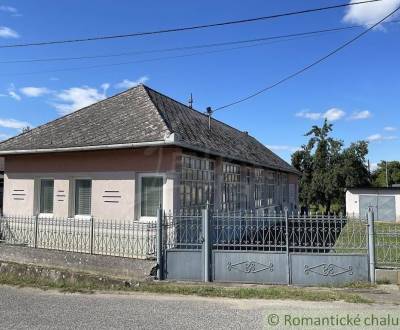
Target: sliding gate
<point>278,248</point>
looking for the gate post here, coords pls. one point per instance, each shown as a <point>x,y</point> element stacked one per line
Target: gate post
<point>91,247</point>
<point>288,277</point>
<point>205,224</point>
<point>160,259</point>
<point>371,245</point>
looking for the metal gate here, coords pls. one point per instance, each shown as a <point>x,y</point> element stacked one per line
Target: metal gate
<point>384,207</point>
<point>278,248</point>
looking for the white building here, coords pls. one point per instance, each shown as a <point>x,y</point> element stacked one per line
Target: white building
<point>384,201</point>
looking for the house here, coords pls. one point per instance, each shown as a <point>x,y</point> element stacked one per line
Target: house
<point>385,203</point>
<point>123,157</point>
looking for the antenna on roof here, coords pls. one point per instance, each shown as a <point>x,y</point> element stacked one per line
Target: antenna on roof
<point>191,101</point>
<point>209,113</point>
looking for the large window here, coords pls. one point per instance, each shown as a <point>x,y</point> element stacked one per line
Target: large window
<point>197,182</point>
<point>46,196</point>
<point>83,197</point>
<point>231,192</point>
<point>270,181</point>
<point>259,188</point>
<point>151,195</point>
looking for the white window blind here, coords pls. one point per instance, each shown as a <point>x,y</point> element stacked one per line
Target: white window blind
<point>83,197</point>
<point>151,196</point>
<point>46,196</point>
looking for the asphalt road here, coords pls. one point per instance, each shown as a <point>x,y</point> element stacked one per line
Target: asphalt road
<point>35,309</point>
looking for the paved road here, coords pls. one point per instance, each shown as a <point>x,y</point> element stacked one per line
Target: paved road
<point>35,309</point>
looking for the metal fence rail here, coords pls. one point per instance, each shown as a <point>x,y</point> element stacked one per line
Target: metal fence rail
<point>387,244</point>
<point>103,237</point>
<point>273,231</point>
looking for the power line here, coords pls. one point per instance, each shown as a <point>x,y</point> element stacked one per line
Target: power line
<point>187,28</point>
<point>151,59</point>
<point>163,50</point>
<point>308,66</point>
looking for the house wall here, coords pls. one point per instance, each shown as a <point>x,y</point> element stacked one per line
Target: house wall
<point>114,173</point>
<point>353,199</point>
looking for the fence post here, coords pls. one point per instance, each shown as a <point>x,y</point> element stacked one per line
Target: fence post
<point>36,227</point>
<point>91,234</point>
<point>371,245</point>
<point>206,243</point>
<point>160,261</point>
<point>287,245</point>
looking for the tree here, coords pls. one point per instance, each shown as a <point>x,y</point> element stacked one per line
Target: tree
<point>393,174</point>
<point>327,169</point>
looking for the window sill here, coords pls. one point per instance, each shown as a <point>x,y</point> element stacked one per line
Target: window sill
<point>82,217</point>
<point>45,216</point>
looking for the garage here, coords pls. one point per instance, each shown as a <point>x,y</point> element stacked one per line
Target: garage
<point>384,201</point>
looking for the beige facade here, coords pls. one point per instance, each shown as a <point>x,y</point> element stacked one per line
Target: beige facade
<point>116,178</point>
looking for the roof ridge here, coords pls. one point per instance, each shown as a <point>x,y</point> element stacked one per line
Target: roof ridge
<point>194,110</point>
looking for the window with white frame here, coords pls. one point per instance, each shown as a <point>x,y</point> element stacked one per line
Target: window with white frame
<point>83,196</point>
<point>197,182</point>
<point>259,188</point>
<point>46,196</point>
<point>270,181</point>
<point>231,191</point>
<point>151,195</point>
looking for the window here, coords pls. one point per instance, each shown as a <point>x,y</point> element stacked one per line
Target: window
<point>259,188</point>
<point>151,195</point>
<point>270,178</point>
<point>83,197</point>
<point>197,182</point>
<point>231,193</point>
<point>46,196</point>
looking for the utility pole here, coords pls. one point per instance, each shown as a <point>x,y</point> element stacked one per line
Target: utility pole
<point>387,180</point>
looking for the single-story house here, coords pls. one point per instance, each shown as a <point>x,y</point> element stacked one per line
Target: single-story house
<point>124,156</point>
<point>385,203</point>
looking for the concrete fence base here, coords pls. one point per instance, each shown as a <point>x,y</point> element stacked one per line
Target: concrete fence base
<point>391,276</point>
<point>133,269</point>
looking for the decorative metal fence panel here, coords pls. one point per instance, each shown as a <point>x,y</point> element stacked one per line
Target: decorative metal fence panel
<point>267,247</point>
<point>103,237</point>
<point>387,244</point>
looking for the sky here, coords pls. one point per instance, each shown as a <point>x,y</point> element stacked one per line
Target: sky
<point>357,89</point>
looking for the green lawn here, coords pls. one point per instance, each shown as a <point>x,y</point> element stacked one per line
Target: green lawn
<point>353,238</point>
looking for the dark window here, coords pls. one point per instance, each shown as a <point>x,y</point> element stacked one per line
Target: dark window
<point>46,196</point>
<point>83,197</point>
<point>151,195</point>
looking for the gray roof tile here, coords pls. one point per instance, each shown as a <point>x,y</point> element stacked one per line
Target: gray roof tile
<point>141,114</point>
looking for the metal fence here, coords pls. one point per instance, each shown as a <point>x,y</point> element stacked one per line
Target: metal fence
<point>103,237</point>
<point>387,244</point>
<point>312,233</point>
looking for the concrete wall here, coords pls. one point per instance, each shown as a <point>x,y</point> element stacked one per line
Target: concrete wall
<point>353,199</point>
<point>105,265</point>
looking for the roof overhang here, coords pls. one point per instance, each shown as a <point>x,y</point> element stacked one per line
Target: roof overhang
<point>170,141</point>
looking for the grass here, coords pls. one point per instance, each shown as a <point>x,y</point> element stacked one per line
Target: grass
<point>90,284</point>
<point>387,241</point>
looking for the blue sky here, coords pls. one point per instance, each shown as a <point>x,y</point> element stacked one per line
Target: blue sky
<point>358,89</point>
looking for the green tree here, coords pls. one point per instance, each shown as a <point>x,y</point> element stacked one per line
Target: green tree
<point>393,174</point>
<point>327,168</point>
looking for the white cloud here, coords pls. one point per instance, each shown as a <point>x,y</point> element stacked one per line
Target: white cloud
<point>379,137</point>
<point>334,114</point>
<point>12,93</point>
<point>34,91</point>
<point>373,166</point>
<point>390,129</point>
<point>370,13</point>
<point>76,98</point>
<point>278,148</point>
<point>13,123</point>
<point>126,83</point>
<point>359,115</point>
<point>331,114</point>
<point>8,9</point>
<point>6,32</point>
